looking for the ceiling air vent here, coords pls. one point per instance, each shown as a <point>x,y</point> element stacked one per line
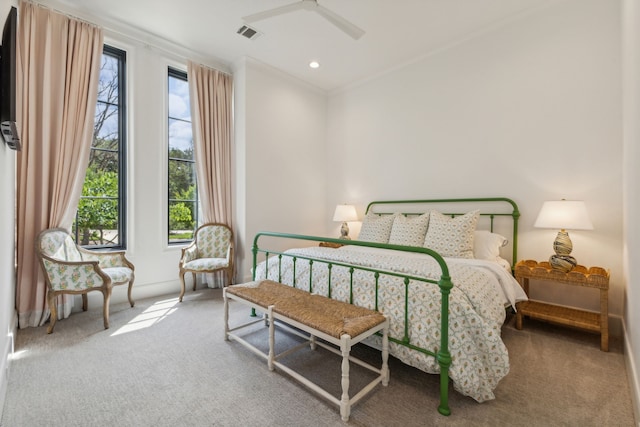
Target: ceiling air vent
<point>248,32</point>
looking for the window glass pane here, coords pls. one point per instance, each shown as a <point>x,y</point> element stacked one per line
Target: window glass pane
<point>181,221</point>
<point>106,126</point>
<point>180,139</point>
<point>179,99</point>
<point>103,162</point>
<point>99,217</point>
<point>108,85</point>
<point>182,185</point>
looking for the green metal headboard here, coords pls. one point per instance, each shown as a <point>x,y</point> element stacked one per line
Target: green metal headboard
<point>490,207</point>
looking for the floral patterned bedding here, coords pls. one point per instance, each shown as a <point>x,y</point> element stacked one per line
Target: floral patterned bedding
<point>476,308</point>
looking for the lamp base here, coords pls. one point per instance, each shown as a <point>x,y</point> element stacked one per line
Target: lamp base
<point>564,263</point>
<point>562,245</point>
<point>344,231</point>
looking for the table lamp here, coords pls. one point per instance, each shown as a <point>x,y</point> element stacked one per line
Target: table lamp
<point>345,213</point>
<point>563,215</point>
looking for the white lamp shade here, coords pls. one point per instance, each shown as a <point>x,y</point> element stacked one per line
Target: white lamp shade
<point>345,213</point>
<point>564,214</point>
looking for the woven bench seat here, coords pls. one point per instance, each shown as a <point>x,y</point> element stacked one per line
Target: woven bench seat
<point>332,317</point>
<point>336,322</point>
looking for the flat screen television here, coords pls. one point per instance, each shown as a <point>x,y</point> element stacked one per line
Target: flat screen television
<point>8,126</point>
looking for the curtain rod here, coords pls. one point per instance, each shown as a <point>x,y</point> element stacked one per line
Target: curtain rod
<point>60,12</point>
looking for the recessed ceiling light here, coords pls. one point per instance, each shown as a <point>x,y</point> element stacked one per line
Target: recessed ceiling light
<point>314,64</point>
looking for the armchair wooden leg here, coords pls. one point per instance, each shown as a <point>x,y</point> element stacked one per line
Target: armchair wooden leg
<point>131,301</point>
<point>84,302</point>
<point>181,285</point>
<point>194,277</point>
<point>51,297</point>
<point>105,308</point>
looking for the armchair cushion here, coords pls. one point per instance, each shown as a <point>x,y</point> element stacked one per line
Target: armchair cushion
<point>206,264</point>
<point>213,241</point>
<point>119,274</point>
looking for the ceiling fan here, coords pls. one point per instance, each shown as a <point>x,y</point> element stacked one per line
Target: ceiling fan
<point>309,5</point>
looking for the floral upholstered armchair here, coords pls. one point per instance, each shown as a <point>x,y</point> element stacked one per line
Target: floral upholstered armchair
<point>211,250</point>
<point>71,269</point>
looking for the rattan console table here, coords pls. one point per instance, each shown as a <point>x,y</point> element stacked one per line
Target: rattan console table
<point>593,277</point>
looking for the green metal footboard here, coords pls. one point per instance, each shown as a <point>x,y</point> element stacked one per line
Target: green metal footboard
<point>442,356</point>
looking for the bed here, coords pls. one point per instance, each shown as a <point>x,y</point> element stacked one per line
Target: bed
<point>440,269</point>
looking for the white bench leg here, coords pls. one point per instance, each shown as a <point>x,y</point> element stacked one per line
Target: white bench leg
<point>345,405</point>
<point>385,355</point>
<point>226,315</point>
<point>272,339</point>
<point>312,342</point>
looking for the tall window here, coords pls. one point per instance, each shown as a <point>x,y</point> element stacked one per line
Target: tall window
<point>183,192</point>
<point>100,220</point>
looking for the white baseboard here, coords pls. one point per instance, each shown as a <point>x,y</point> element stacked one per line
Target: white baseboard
<point>632,375</point>
<point>5,360</point>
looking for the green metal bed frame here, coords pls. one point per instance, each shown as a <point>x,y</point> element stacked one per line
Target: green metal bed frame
<point>442,356</point>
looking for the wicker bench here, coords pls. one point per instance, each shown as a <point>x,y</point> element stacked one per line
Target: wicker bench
<point>335,322</point>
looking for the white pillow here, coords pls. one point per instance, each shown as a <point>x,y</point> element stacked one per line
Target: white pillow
<point>409,231</point>
<point>486,245</point>
<point>376,228</point>
<point>452,237</point>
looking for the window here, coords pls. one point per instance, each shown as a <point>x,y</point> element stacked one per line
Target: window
<point>183,191</point>
<point>100,219</point>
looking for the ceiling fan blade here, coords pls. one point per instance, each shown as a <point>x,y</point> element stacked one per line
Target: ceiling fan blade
<point>273,12</point>
<point>351,29</point>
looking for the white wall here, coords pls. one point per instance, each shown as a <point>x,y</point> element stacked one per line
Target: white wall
<point>631,84</point>
<point>280,134</point>
<point>7,249</point>
<point>530,110</point>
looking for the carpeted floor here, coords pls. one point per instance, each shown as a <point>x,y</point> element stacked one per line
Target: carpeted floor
<point>164,363</point>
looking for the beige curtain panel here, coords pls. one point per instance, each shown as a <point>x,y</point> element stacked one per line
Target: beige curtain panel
<point>210,92</point>
<point>58,72</point>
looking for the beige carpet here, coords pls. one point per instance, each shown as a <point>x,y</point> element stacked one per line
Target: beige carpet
<point>164,363</point>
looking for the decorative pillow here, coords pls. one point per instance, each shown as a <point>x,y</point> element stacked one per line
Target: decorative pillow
<point>376,228</point>
<point>486,245</point>
<point>452,237</point>
<point>409,231</point>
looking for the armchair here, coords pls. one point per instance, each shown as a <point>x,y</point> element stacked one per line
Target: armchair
<point>211,250</point>
<point>71,269</point>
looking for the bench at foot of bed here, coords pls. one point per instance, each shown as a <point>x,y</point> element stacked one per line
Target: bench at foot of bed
<point>335,322</point>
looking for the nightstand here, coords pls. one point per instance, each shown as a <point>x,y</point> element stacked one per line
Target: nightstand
<point>593,277</point>
<point>330,245</point>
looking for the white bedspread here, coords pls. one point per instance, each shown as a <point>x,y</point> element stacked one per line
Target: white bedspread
<point>476,308</point>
